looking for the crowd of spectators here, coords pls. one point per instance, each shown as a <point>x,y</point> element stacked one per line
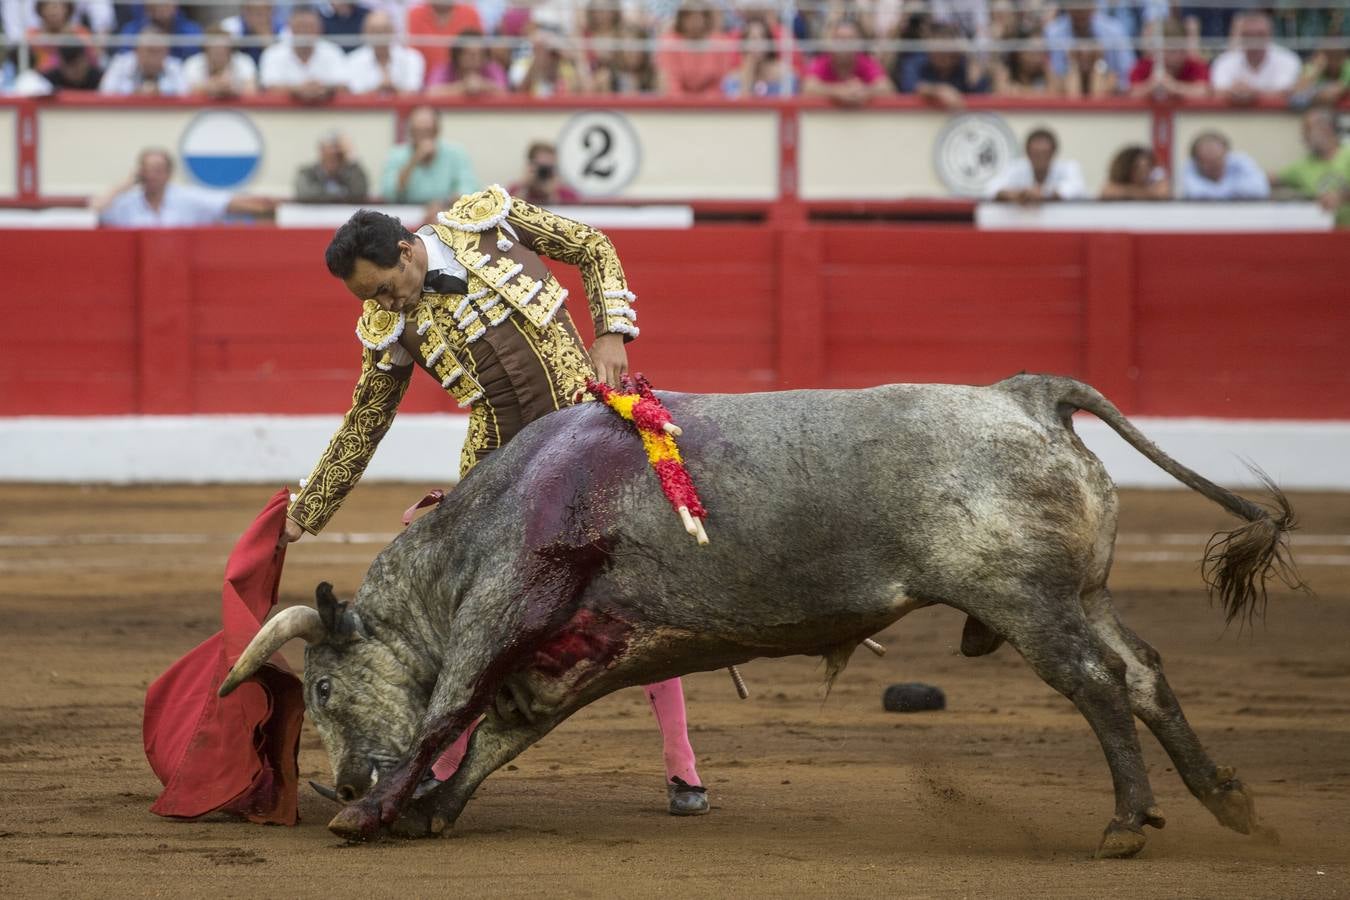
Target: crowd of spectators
<point>850,52</point>
<point>1213,170</point>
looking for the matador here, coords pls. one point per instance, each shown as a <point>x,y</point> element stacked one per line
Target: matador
<point>469,300</point>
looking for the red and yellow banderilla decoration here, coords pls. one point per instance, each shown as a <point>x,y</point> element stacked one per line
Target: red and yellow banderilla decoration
<point>635,402</point>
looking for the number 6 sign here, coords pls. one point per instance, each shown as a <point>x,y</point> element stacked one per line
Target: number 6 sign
<point>598,153</point>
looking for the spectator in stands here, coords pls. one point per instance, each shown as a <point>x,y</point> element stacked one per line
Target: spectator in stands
<point>550,68</point>
<point>631,70</point>
<point>1107,62</point>
<point>1324,174</point>
<point>336,177</point>
<point>761,72</point>
<point>1209,20</point>
<point>1024,72</point>
<point>383,65</point>
<point>74,70</point>
<point>220,71</point>
<point>470,71</point>
<point>1217,172</point>
<point>944,75</point>
<point>256,20</point>
<point>170,20</point>
<point>1256,68</point>
<point>1323,18</point>
<point>602,21</point>
<point>542,185</point>
<point>148,70</point>
<point>343,23</point>
<point>848,76</point>
<point>1325,79</point>
<point>56,21</point>
<point>1135,17</point>
<point>303,64</point>
<point>1180,75</point>
<point>148,200</point>
<point>426,169</point>
<point>1090,75</point>
<point>19,16</point>
<point>963,18</point>
<point>1040,175</point>
<point>439,21</point>
<point>1136,175</point>
<point>693,57</point>
<point>914,25</point>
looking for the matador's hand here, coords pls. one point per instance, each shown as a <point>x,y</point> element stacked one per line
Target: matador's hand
<point>610,358</point>
<point>292,532</point>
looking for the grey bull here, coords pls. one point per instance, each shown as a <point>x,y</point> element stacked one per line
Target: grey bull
<point>556,573</point>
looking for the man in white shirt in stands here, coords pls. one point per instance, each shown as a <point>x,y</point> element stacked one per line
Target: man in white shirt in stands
<point>1256,68</point>
<point>148,70</point>
<point>1215,171</point>
<point>303,64</point>
<point>383,65</point>
<point>149,200</point>
<point>1039,175</point>
<point>220,71</point>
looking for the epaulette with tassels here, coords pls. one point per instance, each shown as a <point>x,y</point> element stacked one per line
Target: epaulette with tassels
<point>635,402</point>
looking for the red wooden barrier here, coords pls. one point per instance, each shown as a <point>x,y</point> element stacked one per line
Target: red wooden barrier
<point>238,320</point>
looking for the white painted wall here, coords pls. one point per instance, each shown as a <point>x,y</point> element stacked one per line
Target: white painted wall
<point>131,449</point>
<point>727,155</point>
<point>850,154</point>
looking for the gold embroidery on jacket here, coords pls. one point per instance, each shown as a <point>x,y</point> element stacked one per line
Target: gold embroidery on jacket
<point>580,245</point>
<point>374,404</point>
<point>562,356</point>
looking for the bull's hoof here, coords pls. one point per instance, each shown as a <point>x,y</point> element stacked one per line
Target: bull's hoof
<point>356,822</point>
<point>1120,842</point>
<point>418,825</point>
<point>1232,804</point>
<point>687,799</point>
<point>419,819</point>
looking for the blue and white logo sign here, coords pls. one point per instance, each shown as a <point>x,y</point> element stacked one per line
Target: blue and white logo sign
<point>221,148</point>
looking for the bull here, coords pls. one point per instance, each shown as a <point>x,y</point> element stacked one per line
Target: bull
<point>554,575</point>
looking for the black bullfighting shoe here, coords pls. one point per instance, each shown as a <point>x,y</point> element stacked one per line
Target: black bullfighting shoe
<point>686,799</point>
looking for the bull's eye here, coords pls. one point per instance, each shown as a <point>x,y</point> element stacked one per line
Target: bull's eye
<point>323,690</point>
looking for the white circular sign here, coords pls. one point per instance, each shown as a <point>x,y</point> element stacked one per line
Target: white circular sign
<point>598,153</point>
<point>221,148</point>
<point>971,150</point>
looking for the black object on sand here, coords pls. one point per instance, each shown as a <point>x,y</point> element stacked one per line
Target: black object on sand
<point>913,696</point>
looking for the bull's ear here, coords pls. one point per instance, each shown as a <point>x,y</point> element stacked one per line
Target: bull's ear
<point>342,622</point>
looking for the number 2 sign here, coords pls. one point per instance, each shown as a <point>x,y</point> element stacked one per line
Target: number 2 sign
<point>598,153</point>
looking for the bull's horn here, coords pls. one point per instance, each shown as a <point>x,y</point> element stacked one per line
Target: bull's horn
<point>325,791</point>
<point>298,621</point>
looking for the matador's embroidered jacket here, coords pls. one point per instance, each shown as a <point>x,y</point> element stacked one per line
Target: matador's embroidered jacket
<point>498,240</point>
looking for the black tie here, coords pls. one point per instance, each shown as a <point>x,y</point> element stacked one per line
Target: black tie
<point>442,282</point>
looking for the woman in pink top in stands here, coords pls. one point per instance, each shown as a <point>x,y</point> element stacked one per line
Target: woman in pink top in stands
<point>693,58</point>
<point>470,72</point>
<point>847,75</point>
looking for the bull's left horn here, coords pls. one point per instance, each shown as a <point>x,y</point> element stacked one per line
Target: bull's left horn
<point>296,622</point>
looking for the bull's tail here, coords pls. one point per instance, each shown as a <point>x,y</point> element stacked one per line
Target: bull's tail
<point>1238,563</point>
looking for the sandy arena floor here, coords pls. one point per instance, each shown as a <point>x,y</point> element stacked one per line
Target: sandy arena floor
<point>1003,794</point>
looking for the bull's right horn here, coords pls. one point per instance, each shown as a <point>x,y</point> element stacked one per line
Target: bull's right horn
<point>296,622</point>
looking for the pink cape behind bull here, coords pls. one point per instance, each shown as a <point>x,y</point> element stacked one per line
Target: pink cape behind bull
<point>235,754</point>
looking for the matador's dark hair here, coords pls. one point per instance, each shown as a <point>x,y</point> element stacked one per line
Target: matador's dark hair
<point>366,235</point>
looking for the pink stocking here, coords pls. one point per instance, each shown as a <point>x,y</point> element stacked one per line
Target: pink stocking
<point>449,762</point>
<point>667,699</point>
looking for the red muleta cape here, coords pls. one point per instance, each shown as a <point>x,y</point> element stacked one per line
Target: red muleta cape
<point>235,754</point>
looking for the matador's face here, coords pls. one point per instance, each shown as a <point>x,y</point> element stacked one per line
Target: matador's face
<point>397,288</point>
